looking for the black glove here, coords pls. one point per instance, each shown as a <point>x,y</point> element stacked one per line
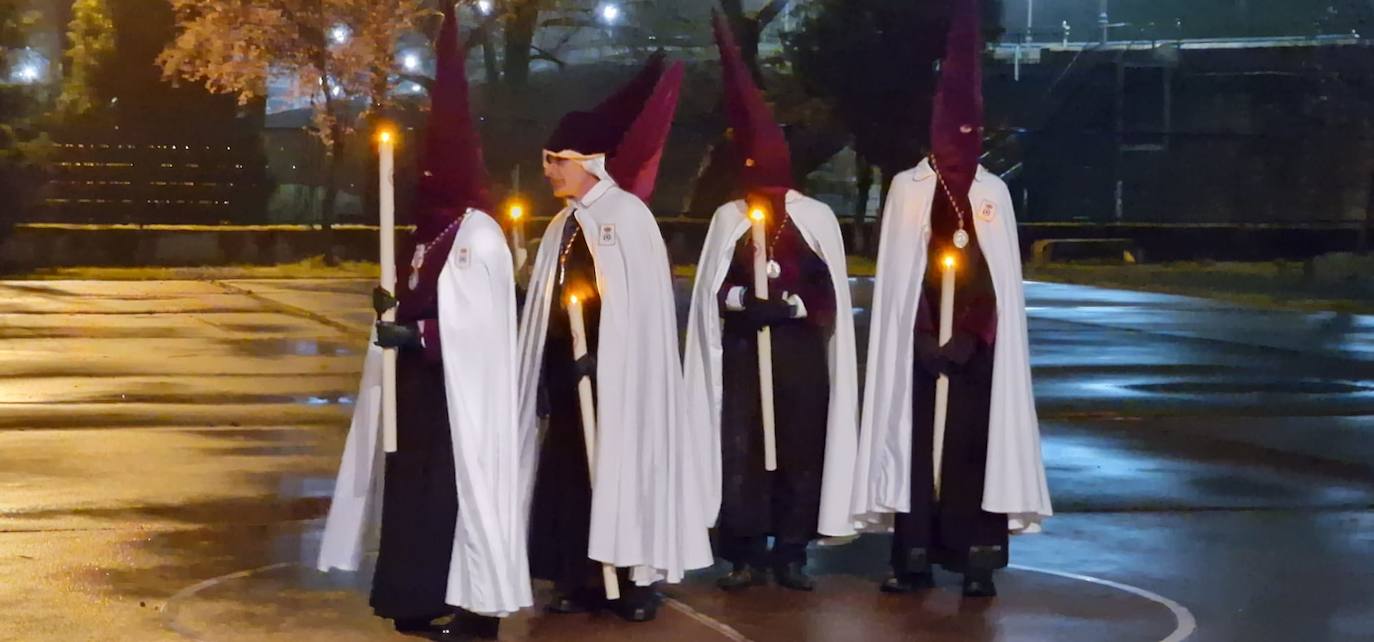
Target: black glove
<point>959,349</point>
<point>585,367</point>
<point>929,355</point>
<point>766,312</point>
<point>382,300</point>
<point>398,335</point>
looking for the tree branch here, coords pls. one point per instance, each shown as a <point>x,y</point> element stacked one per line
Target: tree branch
<point>423,81</point>
<point>542,54</point>
<point>479,31</point>
<point>770,12</point>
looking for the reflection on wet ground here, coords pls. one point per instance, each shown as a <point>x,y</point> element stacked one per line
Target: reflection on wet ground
<point>277,347</point>
<point>188,432</point>
<point>170,399</point>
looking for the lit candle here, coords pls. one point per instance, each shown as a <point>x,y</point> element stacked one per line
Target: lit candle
<point>942,383</point>
<point>770,440</point>
<point>517,234</point>
<point>386,169</point>
<point>588,406</point>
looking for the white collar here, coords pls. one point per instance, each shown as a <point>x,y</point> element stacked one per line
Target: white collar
<point>593,195</point>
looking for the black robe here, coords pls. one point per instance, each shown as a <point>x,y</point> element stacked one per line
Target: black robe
<point>560,515</point>
<point>420,501</point>
<point>953,530</point>
<point>785,503</point>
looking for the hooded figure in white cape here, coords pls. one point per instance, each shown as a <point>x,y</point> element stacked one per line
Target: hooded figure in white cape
<point>641,510</point>
<point>815,379</point>
<point>989,478</point>
<point>452,534</point>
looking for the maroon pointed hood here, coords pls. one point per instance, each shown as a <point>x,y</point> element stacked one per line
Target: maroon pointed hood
<point>956,124</point>
<point>453,176</point>
<point>631,126</point>
<point>765,161</point>
<point>621,108</point>
<point>634,163</point>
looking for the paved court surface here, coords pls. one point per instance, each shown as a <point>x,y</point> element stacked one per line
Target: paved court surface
<point>167,450</point>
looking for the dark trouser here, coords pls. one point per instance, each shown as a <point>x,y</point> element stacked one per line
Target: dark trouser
<point>784,503</point>
<point>420,503</point>
<point>953,530</point>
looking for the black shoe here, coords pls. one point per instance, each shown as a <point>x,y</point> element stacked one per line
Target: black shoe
<point>639,611</point>
<point>579,601</point>
<point>907,582</point>
<point>793,575</point>
<point>979,585</point>
<point>742,578</point>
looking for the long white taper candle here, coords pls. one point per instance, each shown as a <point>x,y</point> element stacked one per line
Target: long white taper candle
<point>386,168</point>
<point>942,384</point>
<point>770,439</point>
<point>588,407</point>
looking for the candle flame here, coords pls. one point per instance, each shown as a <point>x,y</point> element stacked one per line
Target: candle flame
<point>949,261</point>
<point>385,136</point>
<point>757,214</point>
<point>517,211</point>
<point>572,299</point>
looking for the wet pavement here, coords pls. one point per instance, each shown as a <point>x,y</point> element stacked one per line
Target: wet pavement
<point>167,450</point>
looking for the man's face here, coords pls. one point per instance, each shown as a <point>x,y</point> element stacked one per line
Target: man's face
<point>567,177</point>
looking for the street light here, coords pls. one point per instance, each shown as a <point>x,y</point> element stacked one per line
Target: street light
<point>340,34</point>
<point>610,13</point>
<point>28,73</point>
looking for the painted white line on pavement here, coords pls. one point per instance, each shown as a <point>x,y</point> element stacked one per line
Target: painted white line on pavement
<point>709,622</point>
<point>169,608</point>
<point>1186,626</point>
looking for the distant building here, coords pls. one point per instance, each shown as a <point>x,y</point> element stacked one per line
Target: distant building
<point>1241,131</point>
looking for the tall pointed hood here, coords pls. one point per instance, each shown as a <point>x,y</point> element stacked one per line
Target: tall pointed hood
<point>765,162</point>
<point>630,127</point>
<point>634,163</point>
<point>453,176</point>
<point>956,124</point>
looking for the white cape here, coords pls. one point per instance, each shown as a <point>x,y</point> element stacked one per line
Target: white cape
<point>646,504</point>
<point>489,569</point>
<point>821,230</point>
<point>1015,479</point>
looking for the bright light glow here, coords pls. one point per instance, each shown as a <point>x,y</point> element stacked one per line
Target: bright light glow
<point>28,73</point>
<point>414,88</point>
<point>385,136</point>
<point>411,61</point>
<point>757,214</point>
<point>572,299</point>
<point>517,211</point>
<point>340,34</point>
<point>610,13</point>
<point>949,261</point>
<point>484,6</point>
<point>336,91</point>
